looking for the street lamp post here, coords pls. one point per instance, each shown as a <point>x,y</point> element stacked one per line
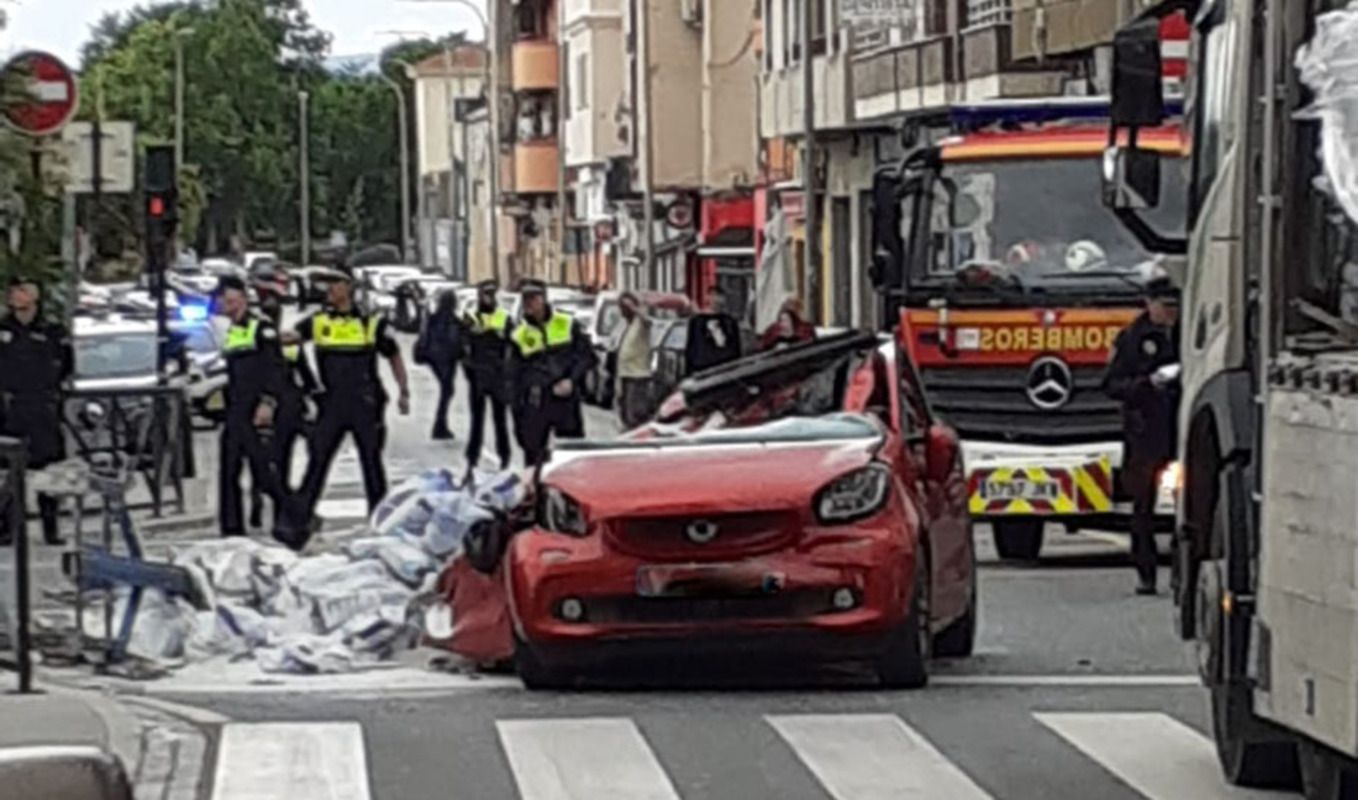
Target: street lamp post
<point>491,88</point>
<point>304,167</point>
<point>406,237</point>
<point>179,37</point>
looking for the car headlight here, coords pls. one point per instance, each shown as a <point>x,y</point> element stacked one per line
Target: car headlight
<point>857,495</point>
<point>560,513</point>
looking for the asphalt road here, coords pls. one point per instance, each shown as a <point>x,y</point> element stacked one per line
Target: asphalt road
<point>1078,690</point>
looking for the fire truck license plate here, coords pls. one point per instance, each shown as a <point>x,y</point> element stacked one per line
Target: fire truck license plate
<point>1019,489</point>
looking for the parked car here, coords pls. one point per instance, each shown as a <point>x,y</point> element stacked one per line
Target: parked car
<point>373,285</point>
<point>659,546</point>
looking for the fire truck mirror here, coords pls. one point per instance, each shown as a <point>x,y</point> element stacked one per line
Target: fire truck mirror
<point>1138,82</point>
<point>1131,178</point>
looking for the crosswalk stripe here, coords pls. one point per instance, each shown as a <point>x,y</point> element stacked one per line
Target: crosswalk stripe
<point>1154,753</point>
<point>583,759</point>
<point>291,761</point>
<point>873,757</point>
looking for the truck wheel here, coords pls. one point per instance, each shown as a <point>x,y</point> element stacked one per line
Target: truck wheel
<point>904,665</point>
<point>1325,775</point>
<point>1250,751</point>
<point>535,675</point>
<point>959,639</point>
<point>1020,539</point>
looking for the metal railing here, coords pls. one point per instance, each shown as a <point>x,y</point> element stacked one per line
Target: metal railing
<point>13,475</point>
<point>146,425</point>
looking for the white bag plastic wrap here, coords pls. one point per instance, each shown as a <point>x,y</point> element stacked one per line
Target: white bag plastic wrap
<point>1328,65</point>
<point>426,483</point>
<point>408,562</point>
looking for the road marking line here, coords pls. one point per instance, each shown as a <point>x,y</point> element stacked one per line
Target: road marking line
<point>583,759</point>
<point>200,716</point>
<point>1154,753</point>
<point>1065,680</point>
<point>291,761</point>
<point>873,757</point>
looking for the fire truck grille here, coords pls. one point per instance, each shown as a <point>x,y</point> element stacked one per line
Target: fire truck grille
<point>992,404</point>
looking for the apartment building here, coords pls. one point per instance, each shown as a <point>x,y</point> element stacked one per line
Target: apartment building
<point>876,64</point>
<point>446,87</point>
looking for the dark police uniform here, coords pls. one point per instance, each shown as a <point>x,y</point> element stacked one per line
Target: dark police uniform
<point>255,374</point>
<point>542,356</point>
<point>34,361</point>
<point>1150,425</point>
<point>347,346</point>
<point>487,344</point>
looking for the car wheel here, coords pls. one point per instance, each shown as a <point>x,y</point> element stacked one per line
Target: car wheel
<point>958,640</point>
<point>1020,539</point>
<point>904,664</point>
<point>535,675</point>
<point>1325,775</point>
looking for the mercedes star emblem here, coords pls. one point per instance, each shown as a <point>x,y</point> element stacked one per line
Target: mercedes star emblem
<point>701,531</point>
<point>1050,384</point>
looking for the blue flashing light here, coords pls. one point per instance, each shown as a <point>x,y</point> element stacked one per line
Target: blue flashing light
<point>976,116</point>
<point>193,312</point>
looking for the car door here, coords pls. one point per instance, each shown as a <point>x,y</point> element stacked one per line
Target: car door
<point>944,501</point>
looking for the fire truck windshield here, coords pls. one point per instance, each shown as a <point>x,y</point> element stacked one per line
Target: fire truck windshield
<point>1040,223</point>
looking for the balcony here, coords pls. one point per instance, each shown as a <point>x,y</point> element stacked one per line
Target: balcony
<point>536,167</point>
<point>535,64</point>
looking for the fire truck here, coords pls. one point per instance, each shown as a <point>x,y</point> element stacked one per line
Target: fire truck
<point>1266,547</point>
<point>1009,284</point>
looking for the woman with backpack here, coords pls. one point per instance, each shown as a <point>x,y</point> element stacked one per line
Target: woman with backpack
<point>439,348</point>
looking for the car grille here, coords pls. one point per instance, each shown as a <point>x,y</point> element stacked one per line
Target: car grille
<point>739,534</point>
<point>992,403</point>
<point>677,610</point>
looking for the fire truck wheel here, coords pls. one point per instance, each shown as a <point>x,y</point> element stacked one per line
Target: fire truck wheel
<point>1019,540</point>
<point>1325,775</point>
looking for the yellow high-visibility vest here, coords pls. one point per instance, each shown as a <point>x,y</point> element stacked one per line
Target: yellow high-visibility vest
<point>291,353</point>
<point>240,338</point>
<point>530,339</point>
<point>494,322</point>
<point>344,333</point>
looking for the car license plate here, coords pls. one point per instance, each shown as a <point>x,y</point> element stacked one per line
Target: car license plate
<point>1019,489</point>
<point>686,580</point>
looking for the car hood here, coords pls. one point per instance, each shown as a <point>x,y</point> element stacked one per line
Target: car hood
<point>678,479</point>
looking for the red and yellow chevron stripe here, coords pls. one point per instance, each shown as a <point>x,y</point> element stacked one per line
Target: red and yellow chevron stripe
<point>1085,489</point>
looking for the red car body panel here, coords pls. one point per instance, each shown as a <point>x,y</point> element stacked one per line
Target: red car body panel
<point>773,570</point>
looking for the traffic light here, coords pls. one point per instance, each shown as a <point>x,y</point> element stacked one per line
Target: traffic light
<point>161,186</point>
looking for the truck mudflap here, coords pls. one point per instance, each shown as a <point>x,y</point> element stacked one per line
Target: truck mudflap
<point>1083,488</point>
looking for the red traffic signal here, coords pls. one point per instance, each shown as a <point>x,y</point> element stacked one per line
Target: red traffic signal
<point>155,206</point>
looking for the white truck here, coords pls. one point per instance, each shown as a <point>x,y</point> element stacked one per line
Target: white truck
<point>1266,547</point>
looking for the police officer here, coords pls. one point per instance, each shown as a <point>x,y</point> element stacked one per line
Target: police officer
<point>347,343</point>
<point>255,373</point>
<point>1143,375</point>
<point>35,359</point>
<point>549,359</point>
<point>299,384</point>
<point>487,350</point>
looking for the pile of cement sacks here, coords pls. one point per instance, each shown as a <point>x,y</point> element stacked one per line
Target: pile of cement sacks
<point>333,612</point>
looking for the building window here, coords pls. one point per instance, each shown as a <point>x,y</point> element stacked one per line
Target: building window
<point>581,82</point>
<point>818,38</point>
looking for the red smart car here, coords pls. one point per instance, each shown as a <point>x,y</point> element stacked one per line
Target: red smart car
<point>799,502</point>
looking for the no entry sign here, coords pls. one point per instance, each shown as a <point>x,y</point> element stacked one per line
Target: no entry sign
<point>51,98</point>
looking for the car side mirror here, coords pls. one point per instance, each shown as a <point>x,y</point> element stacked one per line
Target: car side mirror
<point>1138,80</point>
<point>1131,178</point>
<point>940,453</point>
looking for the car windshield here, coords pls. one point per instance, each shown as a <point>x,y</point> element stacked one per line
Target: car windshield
<point>115,355</point>
<point>1041,221</point>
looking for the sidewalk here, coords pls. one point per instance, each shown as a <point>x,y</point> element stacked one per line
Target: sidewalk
<point>164,756</point>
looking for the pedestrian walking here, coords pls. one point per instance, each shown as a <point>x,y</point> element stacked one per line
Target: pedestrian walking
<point>37,360</point>
<point>486,339</point>
<point>548,363</point>
<point>789,329</point>
<point>439,347</point>
<point>347,344</point>
<point>634,363</point>
<point>1143,375</point>
<point>299,386</point>
<point>713,336</point>
<point>255,373</point>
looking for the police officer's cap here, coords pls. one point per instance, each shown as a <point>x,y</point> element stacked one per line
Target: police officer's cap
<point>1163,290</point>
<point>230,283</point>
<point>336,274</point>
<point>531,287</point>
<point>489,284</point>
